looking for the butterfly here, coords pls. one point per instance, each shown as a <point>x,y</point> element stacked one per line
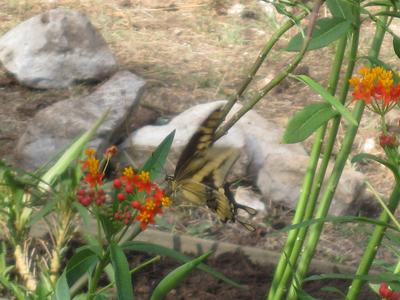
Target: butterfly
<point>201,171</point>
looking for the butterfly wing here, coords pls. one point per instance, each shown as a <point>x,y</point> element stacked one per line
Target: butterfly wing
<point>201,194</point>
<point>191,158</point>
<point>202,170</point>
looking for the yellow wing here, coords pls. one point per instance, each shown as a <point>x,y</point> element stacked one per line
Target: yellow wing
<point>201,173</point>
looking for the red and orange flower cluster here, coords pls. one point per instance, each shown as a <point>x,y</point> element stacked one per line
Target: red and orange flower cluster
<point>386,293</point>
<point>376,88</point>
<point>135,197</point>
<point>131,187</point>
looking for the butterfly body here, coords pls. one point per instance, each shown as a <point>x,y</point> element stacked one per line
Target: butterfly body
<point>201,172</point>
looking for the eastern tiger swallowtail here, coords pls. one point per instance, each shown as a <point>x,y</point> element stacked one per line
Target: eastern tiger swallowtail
<point>201,172</point>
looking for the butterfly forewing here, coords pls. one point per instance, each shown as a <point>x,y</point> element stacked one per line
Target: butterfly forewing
<point>201,140</point>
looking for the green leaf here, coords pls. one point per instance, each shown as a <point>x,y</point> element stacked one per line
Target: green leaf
<point>157,249</point>
<point>83,212</point>
<point>374,278</point>
<point>340,9</point>
<point>62,289</point>
<point>304,296</point>
<point>109,227</point>
<point>174,278</point>
<point>328,97</point>
<point>157,159</point>
<point>326,31</point>
<point>121,270</point>
<point>383,3</point>
<point>333,289</point>
<point>41,213</point>
<point>81,263</point>
<point>396,45</point>
<point>367,156</point>
<point>306,121</point>
<point>343,219</point>
<point>388,14</point>
<point>70,155</point>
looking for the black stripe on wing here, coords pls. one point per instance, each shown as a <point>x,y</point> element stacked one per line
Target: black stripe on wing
<point>201,140</point>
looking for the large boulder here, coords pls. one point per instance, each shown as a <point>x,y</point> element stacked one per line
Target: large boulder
<point>56,49</point>
<point>55,127</point>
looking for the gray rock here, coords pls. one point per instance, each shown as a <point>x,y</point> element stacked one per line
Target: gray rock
<point>56,49</point>
<point>55,127</point>
<point>281,177</point>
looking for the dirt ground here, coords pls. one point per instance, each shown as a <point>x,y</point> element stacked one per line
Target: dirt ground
<point>191,52</point>
<point>236,266</point>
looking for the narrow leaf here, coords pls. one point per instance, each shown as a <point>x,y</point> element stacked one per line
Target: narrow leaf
<point>122,275</point>
<point>157,159</point>
<point>41,213</point>
<point>340,9</point>
<point>62,289</point>
<point>70,155</point>
<point>81,263</point>
<point>157,249</point>
<point>396,45</point>
<point>109,228</point>
<point>332,219</point>
<point>328,97</point>
<point>374,278</point>
<point>383,3</point>
<point>174,278</point>
<point>326,31</point>
<point>306,121</point>
<point>367,156</point>
<point>388,14</point>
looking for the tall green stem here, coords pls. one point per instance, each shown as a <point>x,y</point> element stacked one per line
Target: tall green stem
<point>373,245</point>
<point>96,276</point>
<point>279,282</point>
<point>325,160</point>
<point>316,229</point>
<point>312,196</point>
<point>377,235</point>
<point>275,81</point>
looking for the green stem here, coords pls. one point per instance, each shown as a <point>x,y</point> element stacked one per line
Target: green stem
<point>134,270</point>
<point>373,245</point>
<point>279,283</point>
<point>260,59</point>
<point>275,81</point>
<point>377,235</point>
<point>296,282</point>
<point>315,229</point>
<point>96,277</point>
<point>311,197</point>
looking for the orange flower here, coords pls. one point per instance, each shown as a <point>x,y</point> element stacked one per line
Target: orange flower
<point>143,182</point>
<point>376,88</point>
<point>166,201</point>
<point>145,217</point>
<point>128,173</point>
<point>93,176</point>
